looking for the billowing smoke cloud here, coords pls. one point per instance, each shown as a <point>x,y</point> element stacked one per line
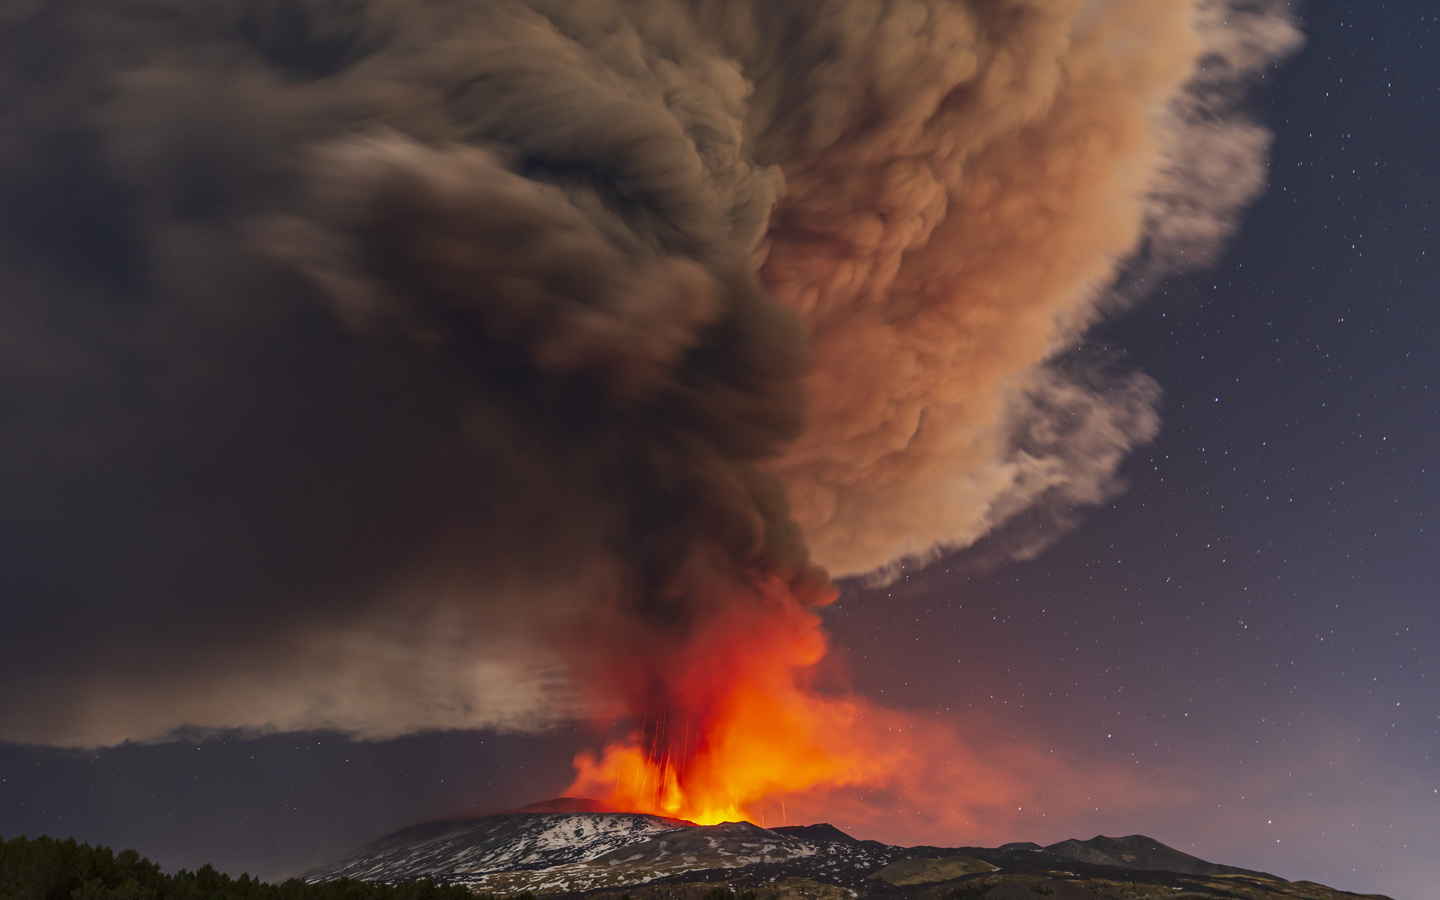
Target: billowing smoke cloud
<point>391,365</point>
<point>957,225</point>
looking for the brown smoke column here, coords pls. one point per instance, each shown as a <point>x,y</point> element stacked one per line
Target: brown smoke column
<point>632,307</point>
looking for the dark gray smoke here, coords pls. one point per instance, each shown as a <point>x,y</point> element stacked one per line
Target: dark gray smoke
<point>364,362</point>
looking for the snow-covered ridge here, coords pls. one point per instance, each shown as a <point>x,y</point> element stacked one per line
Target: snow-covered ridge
<point>465,848</point>
<point>563,852</point>
<point>550,852</point>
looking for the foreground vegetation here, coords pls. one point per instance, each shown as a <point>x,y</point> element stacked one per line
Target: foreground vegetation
<point>47,869</point>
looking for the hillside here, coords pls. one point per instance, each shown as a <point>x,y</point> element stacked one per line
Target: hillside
<point>606,856</point>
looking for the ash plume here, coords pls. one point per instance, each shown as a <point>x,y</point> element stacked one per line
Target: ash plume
<point>396,365</point>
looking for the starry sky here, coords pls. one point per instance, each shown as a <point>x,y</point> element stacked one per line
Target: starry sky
<point>1254,619</point>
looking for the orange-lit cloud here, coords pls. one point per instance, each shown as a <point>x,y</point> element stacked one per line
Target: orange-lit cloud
<point>437,366</point>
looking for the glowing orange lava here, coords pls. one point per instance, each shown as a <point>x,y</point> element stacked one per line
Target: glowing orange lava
<point>735,725</point>
<point>739,720</point>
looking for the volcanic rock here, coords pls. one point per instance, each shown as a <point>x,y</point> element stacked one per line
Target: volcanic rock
<point>608,855</point>
<point>821,832</point>
<point>1140,852</point>
<point>465,850</point>
<point>930,871</point>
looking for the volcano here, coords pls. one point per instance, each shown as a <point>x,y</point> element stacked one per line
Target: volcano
<point>570,848</point>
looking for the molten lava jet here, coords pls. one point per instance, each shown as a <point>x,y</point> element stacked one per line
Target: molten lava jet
<point>732,715</point>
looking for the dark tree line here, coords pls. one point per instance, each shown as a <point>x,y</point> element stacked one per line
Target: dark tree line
<point>49,869</point>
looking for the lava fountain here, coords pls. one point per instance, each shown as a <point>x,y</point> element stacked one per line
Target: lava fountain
<point>733,715</point>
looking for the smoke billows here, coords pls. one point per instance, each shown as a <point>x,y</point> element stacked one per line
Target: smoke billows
<point>393,365</point>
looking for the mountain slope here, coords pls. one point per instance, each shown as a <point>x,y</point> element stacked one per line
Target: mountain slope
<point>462,849</point>
<point>1140,852</point>
<point>607,855</point>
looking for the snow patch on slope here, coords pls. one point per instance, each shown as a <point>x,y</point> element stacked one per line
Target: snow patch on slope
<point>460,850</point>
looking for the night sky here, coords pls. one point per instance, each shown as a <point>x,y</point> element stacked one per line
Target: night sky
<point>1249,629</point>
